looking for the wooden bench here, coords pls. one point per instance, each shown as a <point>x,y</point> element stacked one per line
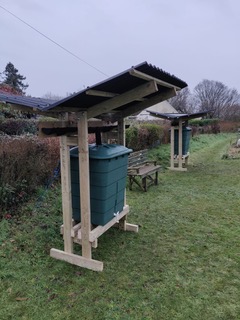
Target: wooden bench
<point>140,166</point>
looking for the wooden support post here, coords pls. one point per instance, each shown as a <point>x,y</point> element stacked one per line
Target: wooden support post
<point>172,148</point>
<point>121,132</point>
<point>121,140</point>
<point>180,144</point>
<point>84,184</point>
<point>66,194</point>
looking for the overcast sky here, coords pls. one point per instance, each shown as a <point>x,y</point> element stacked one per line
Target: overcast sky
<point>192,39</point>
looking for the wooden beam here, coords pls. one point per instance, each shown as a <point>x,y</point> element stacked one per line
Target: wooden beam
<point>83,262</point>
<point>145,76</point>
<point>84,184</point>
<point>105,94</point>
<point>172,148</point>
<point>99,93</point>
<point>66,194</point>
<point>98,231</point>
<point>124,98</point>
<point>128,227</point>
<point>72,141</point>
<point>121,132</point>
<point>180,137</point>
<point>167,94</point>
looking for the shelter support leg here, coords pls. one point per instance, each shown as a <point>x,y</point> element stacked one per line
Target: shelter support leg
<point>66,194</point>
<point>172,149</point>
<point>84,184</point>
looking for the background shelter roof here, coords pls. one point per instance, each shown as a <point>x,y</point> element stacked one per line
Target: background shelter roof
<point>162,107</point>
<point>126,93</point>
<point>175,117</point>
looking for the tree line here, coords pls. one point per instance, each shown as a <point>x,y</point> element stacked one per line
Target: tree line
<point>209,95</point>
<point>223,102</point>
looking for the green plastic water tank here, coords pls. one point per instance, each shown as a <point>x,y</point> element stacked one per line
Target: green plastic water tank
<point>108,172</point>
<point>186,135</point>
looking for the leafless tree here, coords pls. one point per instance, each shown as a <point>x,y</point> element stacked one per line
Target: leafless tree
<point>183,102</point>
<point>51,96</point>
<point>215,96</point>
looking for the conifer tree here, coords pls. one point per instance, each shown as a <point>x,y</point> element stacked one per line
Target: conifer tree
<point>14,79</point>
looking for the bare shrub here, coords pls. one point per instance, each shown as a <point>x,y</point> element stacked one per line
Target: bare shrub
<point>26,162</point>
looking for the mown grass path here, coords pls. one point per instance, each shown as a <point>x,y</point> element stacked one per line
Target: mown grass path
<point>183,264</point>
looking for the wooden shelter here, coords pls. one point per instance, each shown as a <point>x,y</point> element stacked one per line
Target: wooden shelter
<point>98,106</point>
<point>178,161</point>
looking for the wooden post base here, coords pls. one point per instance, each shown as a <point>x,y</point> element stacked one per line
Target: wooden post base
<point>80,261</point>
<point>76,236</point>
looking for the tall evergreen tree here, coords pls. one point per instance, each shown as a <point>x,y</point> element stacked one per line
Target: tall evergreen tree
<point>14,79</point>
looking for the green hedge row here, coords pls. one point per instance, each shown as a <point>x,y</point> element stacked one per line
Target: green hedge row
<point>144,136</point>
<point>14,127</point>
<point>26,163</point>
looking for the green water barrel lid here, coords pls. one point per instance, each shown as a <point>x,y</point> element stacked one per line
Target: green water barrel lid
<point>103,151</point>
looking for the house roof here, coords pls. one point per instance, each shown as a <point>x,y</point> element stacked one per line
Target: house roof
<point>132,90</point>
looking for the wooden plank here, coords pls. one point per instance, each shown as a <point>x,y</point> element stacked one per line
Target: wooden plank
<point>66,194</point>
<point>128,227</point>
<point>75,229</point>
<point>172,148</point>
<point>84,184</point>
<point>122,141</point>
<point>145,76</point>
<point>99,93</point>
<point>145,171</point>
<point>132,227</point>
<point>180,137</point>
<point>121,132</point>
<point>94,244</point>
<point>127,97</point>
<point>99,230</point>
<point>83,262</point>
<point>72,141</point>
<point>105,94</point>
<point>167,94</point>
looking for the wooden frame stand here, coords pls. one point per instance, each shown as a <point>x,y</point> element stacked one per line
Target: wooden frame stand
<point>83,233</point>
<point>179,162</point>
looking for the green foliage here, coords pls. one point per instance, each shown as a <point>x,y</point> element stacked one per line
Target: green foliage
<point>26,162</point>
<point>143,136</point>
<point>14,79</point>
<point>207,126</point>
<point>18,126</point>
<point>13,195</point>
<point>203,122</point>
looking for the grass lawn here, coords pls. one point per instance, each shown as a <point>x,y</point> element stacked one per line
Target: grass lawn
<point>183,264</point>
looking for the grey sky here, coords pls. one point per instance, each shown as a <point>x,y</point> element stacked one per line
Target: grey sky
<point>192,39</point>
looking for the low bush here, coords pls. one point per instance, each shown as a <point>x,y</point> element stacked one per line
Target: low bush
<point>229,126</point>
<point>201,126</point>
<point>18,126</point>
<point>26,162</point>
<point>144,136</point>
